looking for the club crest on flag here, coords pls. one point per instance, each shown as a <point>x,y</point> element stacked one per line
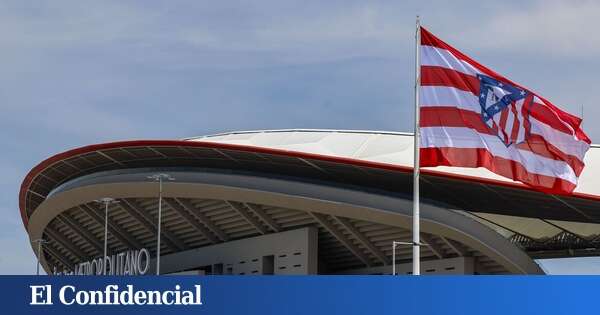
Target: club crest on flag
<point>502,109</point>
<point>471,116</point>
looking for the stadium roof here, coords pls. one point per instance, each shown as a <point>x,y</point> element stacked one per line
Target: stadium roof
<point>537,221</point>
<point>381,162</point>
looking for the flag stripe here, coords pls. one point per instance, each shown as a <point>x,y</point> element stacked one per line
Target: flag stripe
<point>531,140</point>
<point>448,96</point>
<point>560,140</point>
<point>514,123</point>
<point>438,76</point>
<point>442,56</point>
<point>503,123</point>
<point>539,145</point>
<point>469,138</point>
<point>455,97</point>
<point>428,39</point>
<point>478,157</point>
<point>433,56</point>
<point>547,115</point>
<point>442,77</point>
<point>454,117</point>
<point>521,118</point>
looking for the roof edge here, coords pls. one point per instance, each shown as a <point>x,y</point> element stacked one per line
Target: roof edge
<point>383,132</point>
<point>35,171</point>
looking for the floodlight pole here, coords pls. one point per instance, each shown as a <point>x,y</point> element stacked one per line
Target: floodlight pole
<point>159,177</point>
<point>39,242</point>
<point>416,229</point>
<point>394,244</point>
<point>106,201</point>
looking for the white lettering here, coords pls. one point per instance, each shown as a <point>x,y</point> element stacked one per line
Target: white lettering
<point>127,264</point>
<point>165,299</point>
<point>140,298</point>
<point>126,297</point>
<point>61,295</point>
<point>146,258</point>
<point>198,295</point>
<point>40,291</point>
<point>120,262</point>
<point>131,262</point>
<point>82,297</point>
<point>113,295</point>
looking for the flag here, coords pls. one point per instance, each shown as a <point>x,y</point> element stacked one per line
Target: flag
<point>471,116</point>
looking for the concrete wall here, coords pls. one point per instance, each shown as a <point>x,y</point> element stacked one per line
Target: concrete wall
<point>286,253</point>
<point>448,266</point>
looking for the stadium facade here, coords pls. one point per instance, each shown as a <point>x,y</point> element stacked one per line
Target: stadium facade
<point>295,202</point>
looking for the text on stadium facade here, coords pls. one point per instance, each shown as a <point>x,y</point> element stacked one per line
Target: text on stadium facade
<point>131,262</point>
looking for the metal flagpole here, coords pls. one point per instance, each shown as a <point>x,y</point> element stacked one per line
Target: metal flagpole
<point>159,178</point>
<point>393,258</point>
<point>159,221</point>
<point>416,230</point>
<point>106,201</point>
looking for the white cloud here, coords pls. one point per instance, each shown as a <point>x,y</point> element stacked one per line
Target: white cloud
<point>348,24</point>
<point>17,256</point>
<point>309,35</point>
<point>563,28</point>
<point>76,23</point>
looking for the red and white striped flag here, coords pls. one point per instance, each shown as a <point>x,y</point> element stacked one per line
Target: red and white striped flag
<point>470,116</point>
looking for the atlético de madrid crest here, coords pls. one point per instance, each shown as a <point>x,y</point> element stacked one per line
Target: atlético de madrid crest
<point>504,109</point>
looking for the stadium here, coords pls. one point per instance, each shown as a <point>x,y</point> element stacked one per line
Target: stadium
<point>295,202</point>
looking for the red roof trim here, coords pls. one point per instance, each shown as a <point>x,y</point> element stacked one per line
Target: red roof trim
<point>186,143</point>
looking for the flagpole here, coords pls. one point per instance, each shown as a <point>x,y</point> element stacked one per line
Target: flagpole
<point>416,228</point>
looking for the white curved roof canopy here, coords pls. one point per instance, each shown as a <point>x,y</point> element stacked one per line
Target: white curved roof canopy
<point>377,146</point>
<point>354,162</point>
<point>397,148</point>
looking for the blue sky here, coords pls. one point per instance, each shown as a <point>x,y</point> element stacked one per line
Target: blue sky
<point>82,72</point>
